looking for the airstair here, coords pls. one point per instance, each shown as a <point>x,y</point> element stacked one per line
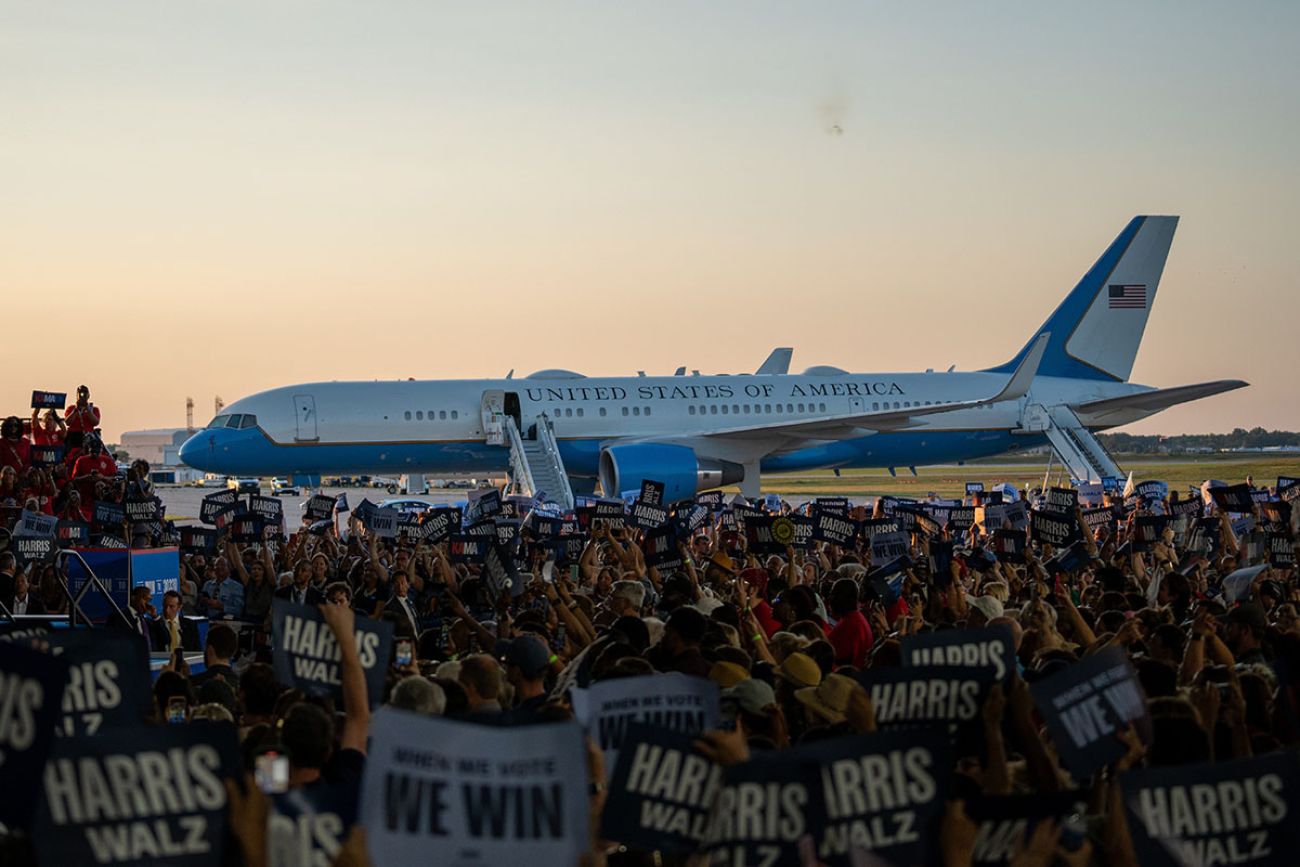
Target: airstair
<point>536,468</point>
<point>1081,452</point>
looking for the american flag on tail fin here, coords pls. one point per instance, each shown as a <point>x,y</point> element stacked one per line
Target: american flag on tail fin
<point>1128,296</point>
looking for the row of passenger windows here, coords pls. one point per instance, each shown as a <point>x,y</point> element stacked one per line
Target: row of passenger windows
<point>692,409</point>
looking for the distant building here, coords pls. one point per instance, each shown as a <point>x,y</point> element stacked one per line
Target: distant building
<point>158,446</point>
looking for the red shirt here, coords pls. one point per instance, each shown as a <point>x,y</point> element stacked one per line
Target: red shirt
<point>101,463</point>
<point>851,639</point>
<point>15,453</point>
<point>52,438</point>
<point>84,419</point>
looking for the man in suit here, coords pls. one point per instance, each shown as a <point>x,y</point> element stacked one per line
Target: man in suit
<point>171,628</point>
<point>218,651</point>
<point>138,611</point>
<point>25,602</point>
<point>300,590</point>
<point>400,608</point>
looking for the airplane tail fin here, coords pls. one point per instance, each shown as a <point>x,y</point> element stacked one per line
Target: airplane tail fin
<point>1096,330</point>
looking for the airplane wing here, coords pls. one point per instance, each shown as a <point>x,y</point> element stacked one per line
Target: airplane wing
<point>832,427</point>
<point>1121,410</point>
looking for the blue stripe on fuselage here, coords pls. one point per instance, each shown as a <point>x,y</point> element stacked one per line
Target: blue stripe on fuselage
<point>250,453</point>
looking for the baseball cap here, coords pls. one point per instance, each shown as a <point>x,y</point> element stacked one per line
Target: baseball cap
<point>528,653</point>
<point>751,696</point>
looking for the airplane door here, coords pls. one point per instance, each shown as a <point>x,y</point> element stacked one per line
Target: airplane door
<point>304,417</point>
<point>493,411</point>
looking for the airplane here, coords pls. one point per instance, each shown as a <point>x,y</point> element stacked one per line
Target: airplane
<point>561,434</point>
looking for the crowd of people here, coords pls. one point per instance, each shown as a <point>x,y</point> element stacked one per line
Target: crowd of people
<point>789,632</point>
<point>56,464</point>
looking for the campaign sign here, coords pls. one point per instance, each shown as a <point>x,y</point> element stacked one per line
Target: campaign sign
<point>108,680</point>
<point>1275,512</point>
<point>215,504</point>
<point>974,488</point>
<point>198,540</point>
<point>992,647</point>
<point>307,826</point>
<point>882,792</point>
<point>1281,550</point>
<point>780,797</point>
<point>319,508</point>
<point>456,793</point>
<point>889,546</point>
<point>1147,531</point>
<point>1290,492</point>
<point>247,529</point>
<point>1008,545</point>
<point>961,517</point>
<point>674,701</point>
<point>383,523</point>
<point>440,524</point>
<point>1095,519</point>
<point>33,684</point>
<point>141,509</point>
<point>1233,811</point>
<point>762,535</point>
<point>464,548</point>
<point>49,399</point>
<point>484,503</point>
<point>1051,528</point>
<point>652,493</point>
<point>873,527</point>
<point>944,697</point>
<point>1091,494</point>
<point>46,456</point>
<point>661,793</point>
<point>1087,704</point>
<point>1005,823</point>
<point>152,795</point>
<point>648,516</point>
<point>507,531</point>
<point>306,655</point>
<point>269,509</point>
<point>1153,490</point>
<point>1061,500</point>
<point>31,523</point>
<point>73,534</point>
<point>1233,498</point>
<point>711,499</point>
<point>33,549</point>
<point>830,525</point>
<point>108,514</point>
<point>500,573</point>
<point>660,546</point>
<point>610,513</point>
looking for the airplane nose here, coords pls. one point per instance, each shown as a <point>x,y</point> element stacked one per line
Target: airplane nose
<point>197,451</point>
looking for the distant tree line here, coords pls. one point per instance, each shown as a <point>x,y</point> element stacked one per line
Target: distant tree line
<point>1240,438</point>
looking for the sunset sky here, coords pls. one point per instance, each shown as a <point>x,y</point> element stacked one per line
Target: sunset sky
<point>209,198</point>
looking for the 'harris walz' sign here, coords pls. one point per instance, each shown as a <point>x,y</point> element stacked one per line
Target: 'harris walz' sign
<point>152,795</point>
<point>1227,812</point>
<point>108,681</point>
<point>992,647</point>
<point>33,685</point>
<point>661,793</point>
<point>306,654</point>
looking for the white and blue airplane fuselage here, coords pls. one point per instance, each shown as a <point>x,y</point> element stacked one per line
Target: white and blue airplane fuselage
<point>704,430</point>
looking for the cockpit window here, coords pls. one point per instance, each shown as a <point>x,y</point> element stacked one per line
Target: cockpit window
<point>219,421</point>
<point>247,421</point>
